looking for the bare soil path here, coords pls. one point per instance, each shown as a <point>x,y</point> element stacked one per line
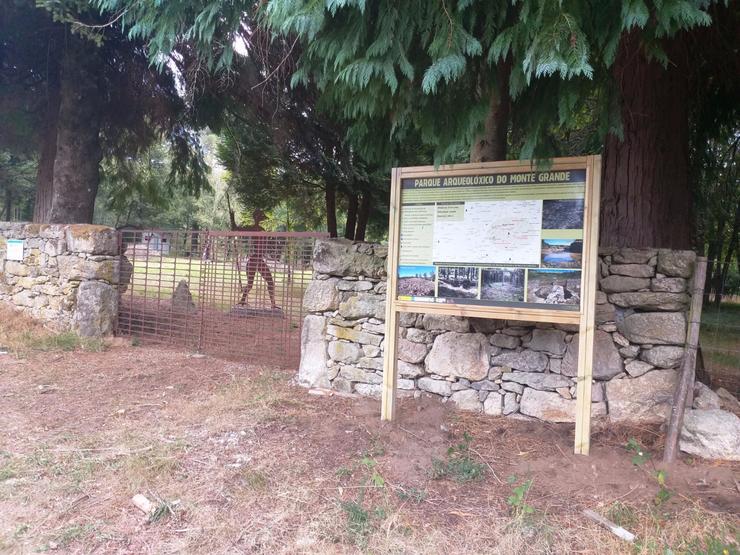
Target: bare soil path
<point>239,460</point>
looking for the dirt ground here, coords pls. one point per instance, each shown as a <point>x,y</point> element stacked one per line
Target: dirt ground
<point>237,459</point>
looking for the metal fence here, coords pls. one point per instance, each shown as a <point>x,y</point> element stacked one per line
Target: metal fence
<point>234,294</point>
<point>720,345</point>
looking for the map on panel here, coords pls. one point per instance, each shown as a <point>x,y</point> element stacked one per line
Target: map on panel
<point>498,239</point>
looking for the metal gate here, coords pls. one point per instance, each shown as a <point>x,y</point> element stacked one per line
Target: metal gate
<point>234,294</point>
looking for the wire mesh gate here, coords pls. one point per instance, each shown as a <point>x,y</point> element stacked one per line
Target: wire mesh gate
<point>234,294</point>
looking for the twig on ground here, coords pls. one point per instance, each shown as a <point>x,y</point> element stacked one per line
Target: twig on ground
<point>609,525</point>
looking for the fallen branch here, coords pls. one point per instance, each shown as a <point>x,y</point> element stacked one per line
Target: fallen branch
<point>609,525</point>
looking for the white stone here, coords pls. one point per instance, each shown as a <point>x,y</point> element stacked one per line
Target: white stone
<point>705,398</point>
<point>493,404</point>
<point>411,352</point>
<point>637,368</point>
<point>460,355</point>
<point>526,361</point>
<point>606,362</point>
<point>646,399</point>
<point>312,370</point>
<point>711,434</point>
<point>550,341</point>
<point>438,387</point>
<point>551,407</point>
<point>467,399</point>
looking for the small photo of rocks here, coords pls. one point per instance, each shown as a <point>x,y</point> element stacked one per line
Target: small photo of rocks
<point>502,284</point>
<point>416,281</point>
<point>553,286</point>
<point>562,214</point>
<point>458,282</point>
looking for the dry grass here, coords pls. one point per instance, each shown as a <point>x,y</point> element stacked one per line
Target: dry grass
<point>239,461</point>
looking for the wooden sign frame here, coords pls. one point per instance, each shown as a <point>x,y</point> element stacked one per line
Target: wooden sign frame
<point>584,317</point>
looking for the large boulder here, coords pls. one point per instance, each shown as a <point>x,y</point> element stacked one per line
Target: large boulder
<point>91,239</point>
<point>438,387</point>
<point>467,399</point>
<point>442,322</point>
<point>343,351</point>
<point>651,300</point>
<point>705,398</point>
<point>629,255</point>
<point>606,362</point>
<point>538,381</point>
<point>312,370</point>
<point>655,328</point>
<point>646,399</point>
<point>524,361</point>
<point>676,263</point>
<point>549,341</point>
<point>321,295</point>
<point>551,407</point>
<point>96,310</point>
<point>633,270</point>
<point>461,355</point>
<point>342,257</point>
<point>411,352</point>
<point>711,434</point>
<point>663,356</point>
<point>363,305</point>
<point>182,299</point>
<point>619,284</point>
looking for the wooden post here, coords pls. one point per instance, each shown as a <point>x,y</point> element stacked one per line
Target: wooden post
<point>390,361</point>
<point>688,368</point>
<point>588,309</point>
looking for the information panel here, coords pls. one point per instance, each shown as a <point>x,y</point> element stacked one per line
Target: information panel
<point>493,238</point>
<point>496,240</point>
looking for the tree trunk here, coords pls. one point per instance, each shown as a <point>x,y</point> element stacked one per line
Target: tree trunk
<point>77,163</point>
<point>331,209</point>
<point>48,150</point>
<point>363,215</point>
<point>349,227</point>
<point>646,198</point>
<point>491,145</point>
<point>8,205</point>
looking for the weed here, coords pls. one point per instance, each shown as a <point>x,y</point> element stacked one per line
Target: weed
<point>517,501</point>
<point>623,515</point>
<point>411,494</point>
<point>459,465</point>
<point>164,509</point>
<point>135,341</point>
<point>344,472</point>
<point>22,529</point>
<point>641,455</point>
<point>664,494</point>
<point>254,479</point>
<point>358,519</point>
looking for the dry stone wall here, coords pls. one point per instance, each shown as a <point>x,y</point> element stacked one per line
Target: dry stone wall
<point>510,368</point>
<point>68,276</point>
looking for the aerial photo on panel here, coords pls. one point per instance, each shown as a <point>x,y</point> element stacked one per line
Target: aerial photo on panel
<point>417,281</point>
<point>562,214</point>
<point>502,284</point>
<point>562,253</point>
<point>459,282</point>
<point>554,286</point>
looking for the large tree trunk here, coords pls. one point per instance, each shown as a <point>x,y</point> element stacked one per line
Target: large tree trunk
<point>491,145</point>
<point>646,198</point>
<point>48,150</point>
<point>331,209</point>
<point>363,215</point>
<point>349,227</point>
<point>77,164</point>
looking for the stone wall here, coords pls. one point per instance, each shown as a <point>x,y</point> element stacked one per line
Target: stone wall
<point>68,276</point>
<point>510,368</point>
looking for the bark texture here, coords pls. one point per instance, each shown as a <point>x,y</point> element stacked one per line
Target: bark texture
<point>351,224</point>
<point>331,209</point>
<point>491,145</point>
<point>48,147</point>
<point>363,215</point>
<point>78,153</point>
<point>645,196</point>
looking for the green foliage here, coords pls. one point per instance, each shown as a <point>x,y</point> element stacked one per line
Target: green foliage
<point>664,494</point>
<point>458,465</point>
<point>641,455</point>
<point>517,501</point>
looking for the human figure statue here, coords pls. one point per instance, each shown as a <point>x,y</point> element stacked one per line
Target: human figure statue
<point>256,260</point>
